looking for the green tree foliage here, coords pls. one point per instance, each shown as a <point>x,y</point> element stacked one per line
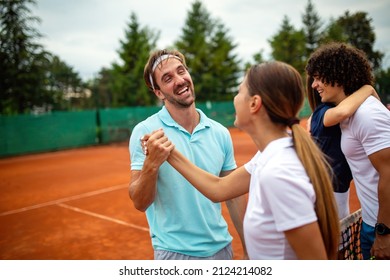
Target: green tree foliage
<point>383,85</point>
<point>101,92</point>
<point>225,69</point>
<point>333,33</point>
<point>257,58</point>
<point>289,45</point>
<point>126,84</point>
<point>193,42</point>
<point>209,54</point>
<point>22,60</point>
<point>31,77</point>
<point>312,25</point>
<point>64,86</point>
<point>354,29</point>
<point>357,28</point>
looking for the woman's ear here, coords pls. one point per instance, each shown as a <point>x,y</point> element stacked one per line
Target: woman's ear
<point>255,103</point>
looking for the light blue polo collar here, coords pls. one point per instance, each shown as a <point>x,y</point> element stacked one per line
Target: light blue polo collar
<point>166,118</point>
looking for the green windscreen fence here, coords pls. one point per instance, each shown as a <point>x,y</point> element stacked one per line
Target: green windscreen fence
<point>306,110</point>
<point>36,133</point>
<point>222,112</point>
<point>116,124</point>
<point>24,134</point>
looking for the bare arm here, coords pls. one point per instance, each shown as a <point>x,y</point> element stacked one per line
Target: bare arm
<point>348,106</point>
<point>142,188</point>
<point>213,187</point>
<point>308,124</point>
<point>143,184</point>
<point>237,208</point>
<point>381,161</point>
<point>307,243</point>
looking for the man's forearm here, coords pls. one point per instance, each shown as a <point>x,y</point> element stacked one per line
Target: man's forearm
<point>143,188</point>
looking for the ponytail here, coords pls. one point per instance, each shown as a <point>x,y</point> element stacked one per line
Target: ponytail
<point>319,170</point>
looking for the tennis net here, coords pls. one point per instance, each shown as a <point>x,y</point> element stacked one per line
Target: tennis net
<point>349,248</point>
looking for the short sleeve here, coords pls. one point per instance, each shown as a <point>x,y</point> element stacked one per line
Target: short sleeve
<point>137,156</point>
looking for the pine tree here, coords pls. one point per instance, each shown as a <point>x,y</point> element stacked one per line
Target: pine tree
<point>126,83</point>
<point>225,69</point>
<point>357,27</point>
<point>22,59</point>
<point>288,45</point>
<point>312,28</point>
<point>209,54</point>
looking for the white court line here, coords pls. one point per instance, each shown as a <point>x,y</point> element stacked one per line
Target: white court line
<point>102,217</point>
<point>65,199</point>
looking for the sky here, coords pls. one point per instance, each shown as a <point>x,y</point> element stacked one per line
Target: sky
<point>86,34</point>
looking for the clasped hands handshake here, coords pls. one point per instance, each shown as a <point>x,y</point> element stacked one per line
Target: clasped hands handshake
<point>157,145</point>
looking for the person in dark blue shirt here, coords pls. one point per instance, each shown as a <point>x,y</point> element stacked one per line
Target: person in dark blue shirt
<point>324,128</point>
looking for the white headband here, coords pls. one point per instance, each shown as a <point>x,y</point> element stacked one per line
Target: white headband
<point>157,62</point>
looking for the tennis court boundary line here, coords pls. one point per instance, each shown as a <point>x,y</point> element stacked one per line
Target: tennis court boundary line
<point>65,199</point>
<point>103,217</point>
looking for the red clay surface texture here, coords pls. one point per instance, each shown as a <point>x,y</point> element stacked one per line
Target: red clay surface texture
<point>74,205</point>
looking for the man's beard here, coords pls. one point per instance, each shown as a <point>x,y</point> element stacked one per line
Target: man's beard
<point>180,103</point>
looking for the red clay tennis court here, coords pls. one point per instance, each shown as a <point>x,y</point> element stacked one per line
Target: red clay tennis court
<point>74,205</point>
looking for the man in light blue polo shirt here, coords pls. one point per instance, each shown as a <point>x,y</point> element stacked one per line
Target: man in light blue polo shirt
<point>183,223</point>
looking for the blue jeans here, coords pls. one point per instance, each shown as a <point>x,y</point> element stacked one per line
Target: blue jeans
<point>367,236</point>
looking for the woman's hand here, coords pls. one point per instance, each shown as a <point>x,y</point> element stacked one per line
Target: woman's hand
<point>157,143</point>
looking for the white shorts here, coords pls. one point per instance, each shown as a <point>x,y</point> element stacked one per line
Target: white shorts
<point>342,201</point>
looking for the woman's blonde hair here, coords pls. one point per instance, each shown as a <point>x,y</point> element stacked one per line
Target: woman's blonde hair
<point>281,89</point>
